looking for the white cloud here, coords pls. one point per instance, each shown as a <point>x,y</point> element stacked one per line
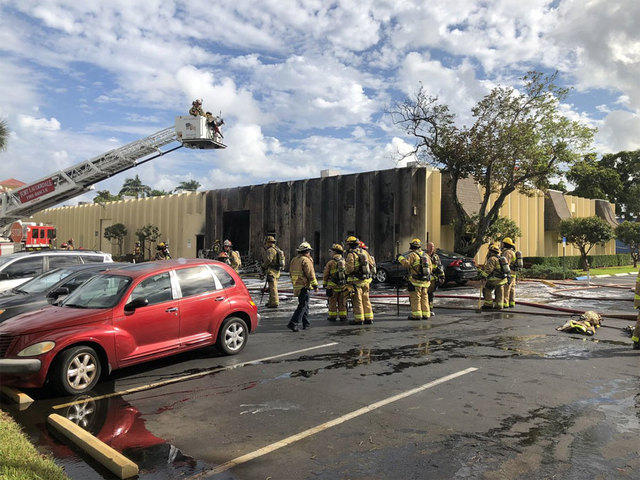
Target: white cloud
<point>302,85</point>
<point>37,125</point>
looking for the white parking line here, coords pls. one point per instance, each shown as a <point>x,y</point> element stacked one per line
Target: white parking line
<point>332,423</point>
<point>193,375</point>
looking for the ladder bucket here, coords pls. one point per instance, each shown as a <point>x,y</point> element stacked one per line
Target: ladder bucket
<point>193,132</point>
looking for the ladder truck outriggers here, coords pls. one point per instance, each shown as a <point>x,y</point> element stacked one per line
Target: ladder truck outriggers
<point>189,131</point>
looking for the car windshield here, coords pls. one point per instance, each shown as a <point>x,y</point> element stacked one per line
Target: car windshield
<point>45,281</point>
<point>101,291</point>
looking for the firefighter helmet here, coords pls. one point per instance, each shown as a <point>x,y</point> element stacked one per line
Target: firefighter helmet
<point>270,238</point>
<point>336,247</point>
<point>351,240</point>
<point>227,243</point>
<point>494,247</point>
<point>304,247</point>
<point>363,245</point>
<point>508,241</point>
<point>161,245</point>
<point>415,243</point>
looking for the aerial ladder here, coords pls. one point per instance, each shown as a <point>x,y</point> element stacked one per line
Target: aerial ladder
<point>189,131</point>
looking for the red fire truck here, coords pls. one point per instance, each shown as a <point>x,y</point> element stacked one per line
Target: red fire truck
<point>33,236</point>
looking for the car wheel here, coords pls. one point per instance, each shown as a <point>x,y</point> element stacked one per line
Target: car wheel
<point>382,276</point>
<point>77,370</point>
<point>233,335</point>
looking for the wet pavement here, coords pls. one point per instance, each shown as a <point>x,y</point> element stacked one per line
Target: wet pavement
<point>541,404</point>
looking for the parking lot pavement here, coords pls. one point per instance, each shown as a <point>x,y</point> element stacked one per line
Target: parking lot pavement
<point>541,404</point>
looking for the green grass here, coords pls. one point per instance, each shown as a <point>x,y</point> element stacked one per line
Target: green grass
<point>19,459</point>
<point>610,270</point>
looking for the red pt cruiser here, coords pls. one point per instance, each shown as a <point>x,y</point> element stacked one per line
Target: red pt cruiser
<point>124,317</point>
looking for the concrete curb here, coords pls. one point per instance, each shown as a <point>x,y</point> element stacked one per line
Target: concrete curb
<point>117,463</point>
<point>22,399</point>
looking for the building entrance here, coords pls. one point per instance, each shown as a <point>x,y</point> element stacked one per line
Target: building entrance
<point>236,227</point>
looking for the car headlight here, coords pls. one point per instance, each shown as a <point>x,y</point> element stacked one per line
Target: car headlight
<point>37,349</point>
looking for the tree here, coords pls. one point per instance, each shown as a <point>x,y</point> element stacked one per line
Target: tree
<point>613,178</point>
<point>116,232</point>
<point>516,143</point>
<point>190,186</point>
<point>103,196</point>
<point>147,234</point>
<point>593,180</point>
<point>135,188</point>
<point>629,233</point>
<point>157,193</point>
<point>4,134</point>
<point>584,233</point>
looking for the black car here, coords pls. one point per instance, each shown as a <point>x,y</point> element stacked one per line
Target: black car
<point>39,291</point>
<point>457,268</point>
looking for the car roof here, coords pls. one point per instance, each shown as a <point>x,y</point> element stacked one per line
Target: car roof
<point>136,270</point>
<point>92,266</point>
<point>52,252</point>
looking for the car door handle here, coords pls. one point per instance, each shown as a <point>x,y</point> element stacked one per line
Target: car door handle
<point>219,299</point>
<point>172,309</point>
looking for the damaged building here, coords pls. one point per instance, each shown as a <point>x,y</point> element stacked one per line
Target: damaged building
<point>384,208</point>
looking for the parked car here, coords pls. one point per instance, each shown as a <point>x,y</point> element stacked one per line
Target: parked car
<point>125,317</point>
<point>17,268</point>
<point>48,287</point>
<point>457,268</point>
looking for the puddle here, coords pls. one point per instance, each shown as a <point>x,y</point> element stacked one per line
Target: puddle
<point>115,422</point>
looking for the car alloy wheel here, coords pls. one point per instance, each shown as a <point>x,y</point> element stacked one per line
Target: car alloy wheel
<point>233,335</point>
<point>77,370</point>
<point>381,275</point>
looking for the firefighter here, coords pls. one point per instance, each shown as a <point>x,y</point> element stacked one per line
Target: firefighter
<point>366,302</point>
<point>635,336</point>
<point>334,280</point>
<point>196,108</point>
<point>419,267</point>
<point>272,263</point>
<point>70,244</point>
<point>137,253</point>
<point>357,269</point>
<point>213,124</point>
<point>509,290</point>
<point>494,278</point>
<point>437,274</point>
<point>233,255</point>
<point>303,279</point>
<point>223,257</point>
<point>162,252</point>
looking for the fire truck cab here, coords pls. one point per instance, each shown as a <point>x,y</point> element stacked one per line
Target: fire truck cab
<point>33,236</point>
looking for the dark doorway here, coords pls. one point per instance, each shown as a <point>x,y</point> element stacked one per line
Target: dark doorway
<point>199,245</point>
<point>235,227</point>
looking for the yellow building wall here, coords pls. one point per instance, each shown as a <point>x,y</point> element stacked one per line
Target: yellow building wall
<point>433,208</point>
<point>179,217</point>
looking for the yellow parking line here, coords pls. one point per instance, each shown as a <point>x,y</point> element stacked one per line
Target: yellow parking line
<point>189,377</point>
<point>319,428</point>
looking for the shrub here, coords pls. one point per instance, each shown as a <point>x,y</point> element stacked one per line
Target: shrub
<point>549,272</point>
<point>595,261</point>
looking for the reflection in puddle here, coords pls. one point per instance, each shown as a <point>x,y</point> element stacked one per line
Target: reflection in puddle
<point>116,423</point>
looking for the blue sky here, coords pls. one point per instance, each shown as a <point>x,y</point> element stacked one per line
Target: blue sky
<point>302,85</point>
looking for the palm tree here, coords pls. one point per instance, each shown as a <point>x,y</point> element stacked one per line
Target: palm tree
<point>135,188</point>
<point>4,134</point>
<point>190,185</point>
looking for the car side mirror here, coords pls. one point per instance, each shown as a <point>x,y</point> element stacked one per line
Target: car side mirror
<point>136,303</point>
<point>53,295</point>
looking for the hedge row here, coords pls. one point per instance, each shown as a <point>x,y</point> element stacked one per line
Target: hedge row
<point>551,273</point>
<point>595,261</point>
